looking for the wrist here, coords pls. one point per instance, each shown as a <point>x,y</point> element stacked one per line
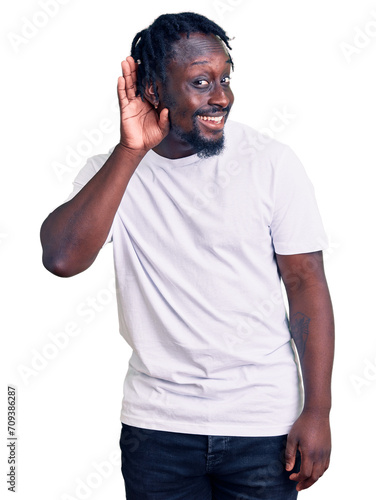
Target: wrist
<point>318,411</point>
<point>134,155</point>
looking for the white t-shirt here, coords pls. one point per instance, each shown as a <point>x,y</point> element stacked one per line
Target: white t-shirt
<point>199,294</point>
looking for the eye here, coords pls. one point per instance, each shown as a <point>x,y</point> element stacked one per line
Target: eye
<point>226,80</point>
<point>201,83</point>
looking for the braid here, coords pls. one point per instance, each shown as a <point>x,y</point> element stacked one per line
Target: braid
<point>152,47</point>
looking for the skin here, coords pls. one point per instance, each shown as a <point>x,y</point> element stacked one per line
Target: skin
<point>312,328</point>
<point>72,235</point>
<point>198,85</point>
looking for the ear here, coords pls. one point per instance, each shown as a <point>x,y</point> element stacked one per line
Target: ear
<point>151,94</point>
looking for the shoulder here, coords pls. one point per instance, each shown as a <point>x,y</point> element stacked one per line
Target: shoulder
<point>248,143</point>
<point>91,167</point>
<point>251,139</point>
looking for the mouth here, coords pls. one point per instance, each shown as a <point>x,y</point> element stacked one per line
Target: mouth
<point>212,122</point>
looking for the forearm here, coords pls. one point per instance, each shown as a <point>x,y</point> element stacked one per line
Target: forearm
<point>312,328</point>
<point>75,232</point>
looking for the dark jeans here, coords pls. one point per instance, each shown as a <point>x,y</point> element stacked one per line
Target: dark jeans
<point>159,465</point>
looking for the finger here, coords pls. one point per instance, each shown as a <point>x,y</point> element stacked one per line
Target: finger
<point>133,67</point>
<point>130,88</point>
<point>317,471</point>
<point>164,123</point>
<point>122,96</point>
<point>290,453</point>
<point>305,472</point>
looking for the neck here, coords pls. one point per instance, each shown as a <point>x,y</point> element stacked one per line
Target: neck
<point>173,148</point>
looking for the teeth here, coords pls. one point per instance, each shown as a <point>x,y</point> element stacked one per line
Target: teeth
<point>215,119</point>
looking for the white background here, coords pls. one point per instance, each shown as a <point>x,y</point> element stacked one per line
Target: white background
<point>315,61</point>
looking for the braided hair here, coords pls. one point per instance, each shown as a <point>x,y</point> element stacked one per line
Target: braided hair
<point>152,47</point>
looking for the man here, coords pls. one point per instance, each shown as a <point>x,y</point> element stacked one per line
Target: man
<point>206,216</point>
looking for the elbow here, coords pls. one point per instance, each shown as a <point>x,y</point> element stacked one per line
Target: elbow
<point>53,260</point>
<point>61,257</point>
<point>54,257</point>
<point>63,264</point>
<point>57,266</point>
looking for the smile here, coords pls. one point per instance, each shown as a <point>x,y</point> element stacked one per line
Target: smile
<point>214,119</point>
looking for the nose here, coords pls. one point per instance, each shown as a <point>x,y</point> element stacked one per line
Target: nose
<point>221,96</point>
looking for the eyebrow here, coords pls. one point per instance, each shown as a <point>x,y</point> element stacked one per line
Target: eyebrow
<point>195,63</point>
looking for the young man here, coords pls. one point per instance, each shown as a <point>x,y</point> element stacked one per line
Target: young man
<point>205,217</point>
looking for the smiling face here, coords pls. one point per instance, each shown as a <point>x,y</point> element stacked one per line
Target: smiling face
<point>198,95</point>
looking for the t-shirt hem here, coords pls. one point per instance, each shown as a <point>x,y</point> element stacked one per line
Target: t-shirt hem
<point>209,429</point>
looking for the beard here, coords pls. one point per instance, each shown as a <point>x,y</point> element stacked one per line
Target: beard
<point>205,148</point>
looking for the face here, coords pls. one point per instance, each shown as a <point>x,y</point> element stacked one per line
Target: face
<point>198,95</point>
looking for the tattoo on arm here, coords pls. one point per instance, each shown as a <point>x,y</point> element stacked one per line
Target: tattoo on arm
<point>299,326</point>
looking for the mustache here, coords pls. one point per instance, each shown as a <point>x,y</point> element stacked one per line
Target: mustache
<point>212,110</point>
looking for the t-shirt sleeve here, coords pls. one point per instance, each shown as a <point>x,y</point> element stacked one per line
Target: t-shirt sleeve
<point>296,225</point>
<point>92,166</point>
